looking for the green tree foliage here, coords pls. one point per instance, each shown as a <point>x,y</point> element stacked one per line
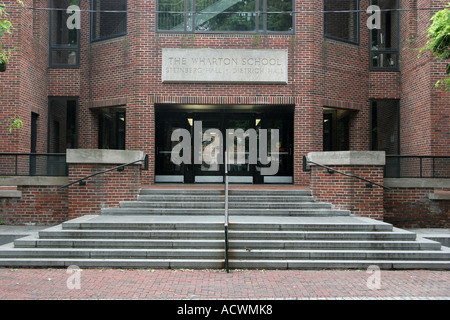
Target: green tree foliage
<point>5,27</point>
<point>439,41</point>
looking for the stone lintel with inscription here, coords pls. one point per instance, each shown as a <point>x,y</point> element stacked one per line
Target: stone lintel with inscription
<point>224,65</point>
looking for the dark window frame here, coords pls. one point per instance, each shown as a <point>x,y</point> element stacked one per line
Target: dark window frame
<point>358,26</point>
<point>52,47</point>
<point>91,22</point>
<point>257,18</point>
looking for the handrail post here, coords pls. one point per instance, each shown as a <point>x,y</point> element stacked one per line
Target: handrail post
<point>226,212</point>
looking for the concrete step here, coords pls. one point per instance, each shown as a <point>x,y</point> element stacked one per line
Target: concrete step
<point>254,254</point>
<point>219,243</point>
<point>149,223</point>
<point>194,191</point>
<point>306,212</point>
<point>40,262</point>
<point>106,253</point>
<point>220,191</point>
<point>133,234</point>
<point>322,235</point>
<point>221,205</point>
<point>181,198</point>
<point>220,198</point>
<point>270,198</point>
<point>338,264</point>
<point>217,223</point>
<point>219,264</point>
<point>233,234</point>
<point>211,253</point>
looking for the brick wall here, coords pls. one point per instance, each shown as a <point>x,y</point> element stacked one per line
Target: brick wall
<point>412,208</point>
<point>102,191</point>
<point>424,108</point>
<point>39,205</point>
<point>23,88</point>
<point>349,193</point>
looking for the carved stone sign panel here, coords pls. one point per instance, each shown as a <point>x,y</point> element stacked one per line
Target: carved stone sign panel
<point>225,65</point>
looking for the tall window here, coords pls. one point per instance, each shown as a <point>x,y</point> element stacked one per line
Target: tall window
<point>385,40</point>
<point>336,129</point>
<point>256,16</point>
<point>341,20</point>
<point>112,128</point>
<point>108,19</point>
<point>385,129</point>
<point>62,124</point>
<point>64,50</point>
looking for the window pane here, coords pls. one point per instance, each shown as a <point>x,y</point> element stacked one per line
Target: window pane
<point>384,41</point>
<point>225,15</point>
<point>387,36</point>
<point>279,15</point>
<point>64,57</point>
<point>61,36</point>
<point>108,24</point>
<point>171,16</point>
<point>385,129</point>
<point>341,25</point>
<point>383,59</point>
<point>112,123</point>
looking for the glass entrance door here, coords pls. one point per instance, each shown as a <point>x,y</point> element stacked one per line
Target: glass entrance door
<point>166,169</point>
<point>208,133</point>
<point>240,168</point>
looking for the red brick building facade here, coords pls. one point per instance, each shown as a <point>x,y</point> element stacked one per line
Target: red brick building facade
<point>339,71</point>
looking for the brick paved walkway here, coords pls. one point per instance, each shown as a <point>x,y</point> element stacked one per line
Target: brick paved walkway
<point>214,284</point>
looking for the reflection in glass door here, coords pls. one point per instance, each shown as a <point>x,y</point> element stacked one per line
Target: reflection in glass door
<point>211,169</point>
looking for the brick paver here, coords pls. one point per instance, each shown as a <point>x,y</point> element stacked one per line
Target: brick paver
<point>216,284</point>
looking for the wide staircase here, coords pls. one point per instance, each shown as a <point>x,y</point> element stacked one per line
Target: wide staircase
<point>184,228</point>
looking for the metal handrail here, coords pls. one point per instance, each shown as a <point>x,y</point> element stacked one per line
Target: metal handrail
<point>118,168</point>
<point>332,170</point>
<point>226,221</point>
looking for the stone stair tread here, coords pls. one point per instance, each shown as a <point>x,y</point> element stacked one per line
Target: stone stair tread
<point>243,211</point>
<point>266,222</point>
<point>284,244</point>
<point>259,253</point>
<point>114,263</point>
<point>219,263</point>
<point>339,264</point>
